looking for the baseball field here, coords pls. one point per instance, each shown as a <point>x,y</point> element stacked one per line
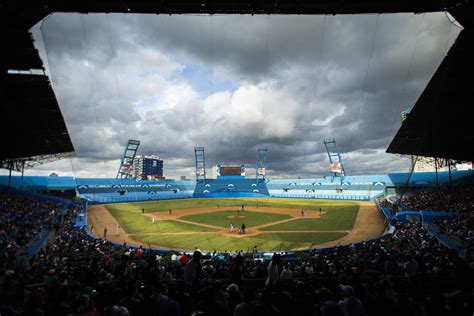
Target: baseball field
<point>271,224</point>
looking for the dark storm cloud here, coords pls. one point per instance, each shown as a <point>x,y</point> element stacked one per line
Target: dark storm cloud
<point>292,90</point>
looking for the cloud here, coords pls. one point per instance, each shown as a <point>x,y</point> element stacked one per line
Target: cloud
<point>176,82</point>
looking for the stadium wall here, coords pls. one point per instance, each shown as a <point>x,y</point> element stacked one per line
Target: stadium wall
<point>110,190</point>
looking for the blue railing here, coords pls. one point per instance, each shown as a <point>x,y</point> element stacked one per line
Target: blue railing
<point>321,196</point>
<point>448,240</point>
<point>137,198</point>
<point>38,196</point>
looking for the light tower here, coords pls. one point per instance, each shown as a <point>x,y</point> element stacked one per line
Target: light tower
<point>336,166</point>
<point>126,164</point>
<point>261,168</point>
<point>200,164</point>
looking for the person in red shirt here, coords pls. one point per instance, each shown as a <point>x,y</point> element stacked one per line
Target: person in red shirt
<point>139,252</point>
<point>183,259</point>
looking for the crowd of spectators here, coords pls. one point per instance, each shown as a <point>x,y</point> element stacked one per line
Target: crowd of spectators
<point>407,273</point>
<point>458,198</point>
<point>443,199</point>
<point>22,219</point>
<point>461,227</point>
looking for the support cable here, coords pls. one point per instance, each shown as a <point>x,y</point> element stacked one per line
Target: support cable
<point>119,96</point>
<point>93,101</point>
<point>117,89</point>
<point>48,60</point>
<point>211,89</point>
<point>407,76</point>
<point>364,87</point>
<point>315,90</point>
<point>265,78</point>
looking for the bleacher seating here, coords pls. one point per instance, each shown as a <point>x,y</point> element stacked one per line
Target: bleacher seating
<point>325,189</point>
<point>365,187</point>
<point>230,186</point>
<point>79,275</point>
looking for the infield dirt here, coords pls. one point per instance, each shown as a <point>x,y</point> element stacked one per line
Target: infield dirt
<point>368,224</point>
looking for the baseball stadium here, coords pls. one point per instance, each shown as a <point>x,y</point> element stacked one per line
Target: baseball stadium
<point>241,236</point>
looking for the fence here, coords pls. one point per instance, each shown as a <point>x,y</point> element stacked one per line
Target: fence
<point>321,197</point>
<point>107,200</point>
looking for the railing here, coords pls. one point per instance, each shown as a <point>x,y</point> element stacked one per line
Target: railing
<point>36,195</point>
<point>321,196</point>
<point>448,240</point>
<point>139,198</point>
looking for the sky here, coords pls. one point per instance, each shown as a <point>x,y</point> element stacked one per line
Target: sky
<point>232,84</point>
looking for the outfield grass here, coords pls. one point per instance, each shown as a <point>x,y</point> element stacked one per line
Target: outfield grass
<point>221,219</point>
<point>161,206</point>
<point>341,219</point>
<point>340,215</point>
<point>264,242</point>
<point>135,223</point>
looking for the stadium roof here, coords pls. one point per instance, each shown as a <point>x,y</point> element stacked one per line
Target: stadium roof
<point>439,125</point>
<point>32,121</point>
<point>33,124</point>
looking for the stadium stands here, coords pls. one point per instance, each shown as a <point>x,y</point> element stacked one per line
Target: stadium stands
<point>230,187</point>
<point>22,221</point>
<point>323,188</point>
<point>106,190</point>
<point>407,272</point>
<point>447,198</point>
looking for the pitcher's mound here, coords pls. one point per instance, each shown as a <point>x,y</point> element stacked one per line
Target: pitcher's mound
<point>234,216</point>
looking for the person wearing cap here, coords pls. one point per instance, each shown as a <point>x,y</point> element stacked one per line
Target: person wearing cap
<point>350,305</point>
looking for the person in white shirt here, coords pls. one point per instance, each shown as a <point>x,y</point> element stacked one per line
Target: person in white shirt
<point>273,273</point>
<point>286,273</point>
<point>309,270</point>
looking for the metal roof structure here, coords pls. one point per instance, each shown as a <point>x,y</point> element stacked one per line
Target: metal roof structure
<point>439,125</point>
<point>33,124</point>
<point>32,128</point>
<point>45,7</point>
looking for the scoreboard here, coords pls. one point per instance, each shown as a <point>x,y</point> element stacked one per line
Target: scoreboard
<point>230,170</point>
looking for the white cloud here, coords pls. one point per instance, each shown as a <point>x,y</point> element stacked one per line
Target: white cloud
<point>138,82</point>
<point>329,119</point>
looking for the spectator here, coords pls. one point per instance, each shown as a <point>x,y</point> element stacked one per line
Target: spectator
<point>327,306</point>
<point>273,273</point>
<point>286,273</point>
<point>192,271</point>
<point>77,274</point>
<point>350,305</point>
